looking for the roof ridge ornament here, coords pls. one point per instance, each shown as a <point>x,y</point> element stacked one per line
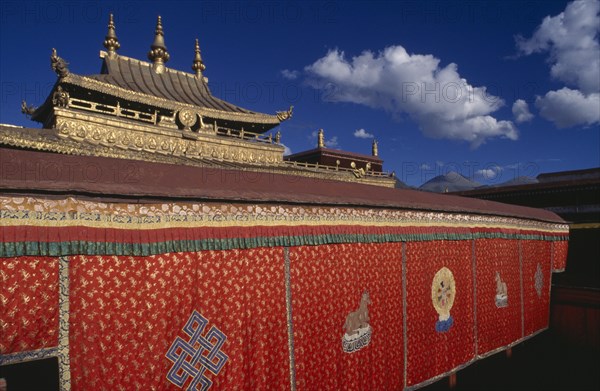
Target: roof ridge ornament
<point>27,110</point>
<point>198,65</point>
<point>285,115</point>
<point>111,42</point>
<point>374,148</point>
<point>158,55</point>
<point>58,64</point>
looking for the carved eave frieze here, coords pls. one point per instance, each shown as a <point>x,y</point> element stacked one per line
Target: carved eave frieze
<point>78,139</point>
<point>127,135</point>
<point>138,97</point>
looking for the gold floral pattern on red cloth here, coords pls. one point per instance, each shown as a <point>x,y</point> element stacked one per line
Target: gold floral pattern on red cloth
<point>536,308</point>
<point>432,353</point>
<point>497,326</point>
<point>327,282</point>
<point>28,304</point>
<point>126,312</point>
<point>559,256</point>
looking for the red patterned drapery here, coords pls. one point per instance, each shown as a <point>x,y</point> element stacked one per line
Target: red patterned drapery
<point>327,283</point>
<point>29,304</point>
<point>248,296</point>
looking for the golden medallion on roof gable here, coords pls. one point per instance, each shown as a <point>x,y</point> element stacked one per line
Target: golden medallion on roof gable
<point>187,118</point>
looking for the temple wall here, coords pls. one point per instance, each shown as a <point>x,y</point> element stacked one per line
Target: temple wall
<point>255,296</point>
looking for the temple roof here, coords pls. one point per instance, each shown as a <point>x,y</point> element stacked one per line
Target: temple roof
<point>138,76</point>
<point>334,153</point>
<point>154,180</point>
<point>110,84</point>
<point>155,85</point>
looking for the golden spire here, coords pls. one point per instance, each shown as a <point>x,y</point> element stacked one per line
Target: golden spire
<point>321,139</point>
<point>374,149</point>
<point>111,43</point>
<point>198,64</point>
<point>158,55</point>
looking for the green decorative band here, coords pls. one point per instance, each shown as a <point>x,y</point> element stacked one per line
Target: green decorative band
<point>39,248</point>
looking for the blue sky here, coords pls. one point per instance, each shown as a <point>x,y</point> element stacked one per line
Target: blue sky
<point>492,90</point>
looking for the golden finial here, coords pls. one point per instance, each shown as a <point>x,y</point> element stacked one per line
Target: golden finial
<point>374,149</point>
<point>111,43</point>
<point>158,55</point>
<point>321,139</point>
<point>198,64</point>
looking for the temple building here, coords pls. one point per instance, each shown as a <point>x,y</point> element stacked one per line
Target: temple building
<point>154,237</point>
<point>146,111</point>
<point>336,158</point>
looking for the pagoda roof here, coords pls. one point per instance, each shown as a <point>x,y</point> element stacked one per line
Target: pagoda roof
<point>135,80</point>
<point>155,85</point>
<point>172,85</point>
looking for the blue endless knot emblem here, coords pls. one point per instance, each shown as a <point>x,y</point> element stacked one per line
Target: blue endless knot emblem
<point>192,358</point>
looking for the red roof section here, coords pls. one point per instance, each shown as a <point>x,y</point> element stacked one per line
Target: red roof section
<point>23,171</point>
<point>334,152</point>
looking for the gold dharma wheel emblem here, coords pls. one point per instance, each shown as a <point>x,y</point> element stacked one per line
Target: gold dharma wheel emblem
<point>187,118</point>
<point>443,292</point>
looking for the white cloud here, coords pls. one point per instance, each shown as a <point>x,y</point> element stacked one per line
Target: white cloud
<point>567,107</point>
<point>443,103</point>
<point>489,173</point>
<point>332,142</point>
<point>286,151</point>
<point>520,110</point>
<point>290,75</point>
<point>486,173</point>
<point>571,41</point>
<point>361,133</point>
<point>329,143</point>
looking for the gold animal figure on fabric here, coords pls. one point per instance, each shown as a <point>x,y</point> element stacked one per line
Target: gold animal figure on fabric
<point>501,292</point>
<point>359,318</point>
<point>500,285</point>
